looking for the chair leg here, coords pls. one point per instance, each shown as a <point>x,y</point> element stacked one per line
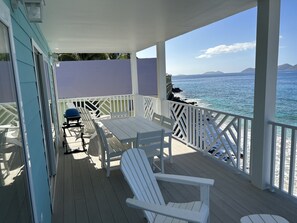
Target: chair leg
<point>5,162</point>
<point>169,150</point>
<point>162,163</point>
<point>108,167</point>
<point>101,159</point>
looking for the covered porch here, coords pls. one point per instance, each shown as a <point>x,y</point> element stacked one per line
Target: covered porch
<point>245,155</point>
<point>171,19</point>
<point>84,194</point>
<point>251,152</point>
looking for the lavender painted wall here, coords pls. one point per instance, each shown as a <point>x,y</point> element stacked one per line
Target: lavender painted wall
<point>104,77</point>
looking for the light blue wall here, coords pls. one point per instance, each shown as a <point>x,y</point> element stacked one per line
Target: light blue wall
<point>23,32</point>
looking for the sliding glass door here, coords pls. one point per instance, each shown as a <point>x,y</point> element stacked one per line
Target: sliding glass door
<point>15,205</point>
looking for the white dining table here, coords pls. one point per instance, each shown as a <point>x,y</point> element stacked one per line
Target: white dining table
<point>125,129</point>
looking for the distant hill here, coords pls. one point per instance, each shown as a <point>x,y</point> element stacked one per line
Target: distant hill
<point>286,67</point>
<point>214,72</point>
<point>248,70</point>
<point>283,67</point>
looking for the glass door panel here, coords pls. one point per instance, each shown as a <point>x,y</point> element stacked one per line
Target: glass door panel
<point>15,205</point>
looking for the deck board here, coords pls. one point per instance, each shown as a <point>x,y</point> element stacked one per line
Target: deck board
<point>68,195</point>
<point>84,194</point>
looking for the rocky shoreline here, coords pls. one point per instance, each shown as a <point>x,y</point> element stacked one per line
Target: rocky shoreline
<point>172,97</point>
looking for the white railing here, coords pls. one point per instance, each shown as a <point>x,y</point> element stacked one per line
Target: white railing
<point>283,158</point>
<point>224,136</point>
<point>100,106</point>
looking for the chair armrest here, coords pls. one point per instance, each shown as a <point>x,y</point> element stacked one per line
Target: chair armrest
<point>194,181</point>
<point>187,215</point>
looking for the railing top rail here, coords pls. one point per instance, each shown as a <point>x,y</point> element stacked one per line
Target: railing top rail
<point>94,97</point>
<point>212,110</point>
<point>282,125</point>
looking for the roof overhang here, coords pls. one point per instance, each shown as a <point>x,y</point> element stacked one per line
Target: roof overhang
<point>94,26</point>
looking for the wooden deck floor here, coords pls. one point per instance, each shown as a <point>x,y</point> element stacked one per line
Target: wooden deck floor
<point>84,193</point>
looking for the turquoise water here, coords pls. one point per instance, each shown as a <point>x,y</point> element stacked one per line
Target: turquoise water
<point>234,93</point>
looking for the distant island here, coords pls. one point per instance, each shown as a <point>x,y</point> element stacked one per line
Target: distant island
<point>248,71</point>
<point>214,72</point>
<point>283,67</point>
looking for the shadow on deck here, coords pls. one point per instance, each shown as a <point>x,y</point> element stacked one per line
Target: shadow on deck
<point>84,193</point>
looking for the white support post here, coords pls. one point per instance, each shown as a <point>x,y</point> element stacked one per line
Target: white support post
<point>138,100</point>
<point>161,75</point>
<point>134,74</point>
<point>268,20</point>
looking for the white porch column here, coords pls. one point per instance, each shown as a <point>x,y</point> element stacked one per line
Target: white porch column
<point>265,89</point>
<point>138,102</point>
<point>161,75</point>
<point>134,74</point>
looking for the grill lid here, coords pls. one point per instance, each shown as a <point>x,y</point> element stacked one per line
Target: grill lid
<point>72,114</point>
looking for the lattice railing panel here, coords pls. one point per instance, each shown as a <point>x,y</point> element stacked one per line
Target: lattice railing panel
<point>100,106</point>
<point>150,105</point>
<point>179,112</point>
<point>223,136</point>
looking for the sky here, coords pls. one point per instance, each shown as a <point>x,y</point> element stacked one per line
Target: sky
<point>227,45</point>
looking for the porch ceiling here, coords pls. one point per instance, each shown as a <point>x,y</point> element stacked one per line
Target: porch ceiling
<point>88,26</point>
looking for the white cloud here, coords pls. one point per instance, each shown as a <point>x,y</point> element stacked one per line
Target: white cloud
<point>223,49</point>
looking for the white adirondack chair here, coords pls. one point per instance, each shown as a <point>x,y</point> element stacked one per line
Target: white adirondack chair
<point>152,144</point>
<point>169,124</point>
<point>148,197</point>
<point>110,149</point>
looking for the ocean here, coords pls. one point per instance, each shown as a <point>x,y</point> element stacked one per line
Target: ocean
<point>234,93</point>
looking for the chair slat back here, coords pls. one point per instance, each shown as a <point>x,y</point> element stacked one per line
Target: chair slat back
<point>87,120</point>
<point>119,114</point>
<point>167,123</point>
<point>140,177</point>
<point>150,141</point>
<point>157,118</point>
<point>103,145</point>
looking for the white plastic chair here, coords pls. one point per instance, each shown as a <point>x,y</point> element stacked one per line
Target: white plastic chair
<point>89,128</point>
<point>263,218</point>
<point>110,149</point>
<point>169,124</point>
<point>152,144</point>
<point>157,118</point>
<point>148,197</point>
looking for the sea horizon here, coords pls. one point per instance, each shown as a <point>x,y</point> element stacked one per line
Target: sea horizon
<point>234,93</point>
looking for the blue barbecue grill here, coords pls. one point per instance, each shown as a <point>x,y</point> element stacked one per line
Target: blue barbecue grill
<point>72,116</point>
